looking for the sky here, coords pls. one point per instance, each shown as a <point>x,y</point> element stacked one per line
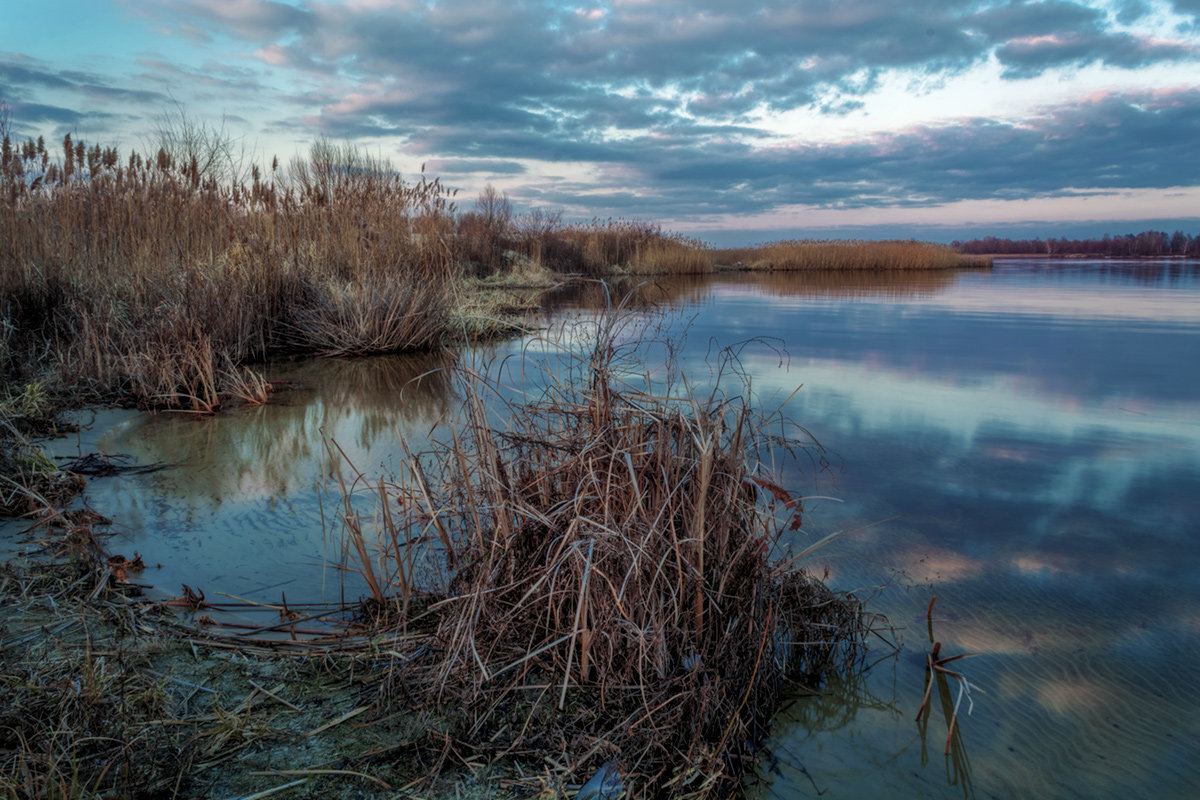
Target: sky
<point>733,120</point>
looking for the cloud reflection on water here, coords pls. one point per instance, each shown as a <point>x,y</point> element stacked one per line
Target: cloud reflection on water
<point>1044,456</point>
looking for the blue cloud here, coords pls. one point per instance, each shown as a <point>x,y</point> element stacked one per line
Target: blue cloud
<point>663,100</point>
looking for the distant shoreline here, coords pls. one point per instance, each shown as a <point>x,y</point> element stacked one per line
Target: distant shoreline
<point>1086,256</point>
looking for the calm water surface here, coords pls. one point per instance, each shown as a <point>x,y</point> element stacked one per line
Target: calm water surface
<point>1035,429</point>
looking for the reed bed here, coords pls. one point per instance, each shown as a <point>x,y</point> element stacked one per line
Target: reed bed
<point>156,281</point>
<point>848,254</point>
<point>610,591</point>
<point>627,245</point>
<point>498,243</point>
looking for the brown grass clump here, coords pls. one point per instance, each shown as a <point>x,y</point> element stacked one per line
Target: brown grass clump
<point>601,246</point>
<point>154,279</point>
<point>612,593</point>
<point>848,254</point>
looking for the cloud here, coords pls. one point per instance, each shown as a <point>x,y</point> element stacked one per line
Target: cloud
<point>222,78</point>
<point>669,108</point>
<point>675,59</point>
<point>1111,142</point>
<point>26,114</point>
<point>25,82</point>
<point>483,166</point>
<point>19,75</point>
<point>600,68</point>
<point>245,19</point>
<point>1027,58</point>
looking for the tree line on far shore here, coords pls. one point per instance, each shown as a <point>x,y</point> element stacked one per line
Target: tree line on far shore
<point>1146,243</point>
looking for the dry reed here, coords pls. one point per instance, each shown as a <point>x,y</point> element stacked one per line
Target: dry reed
<point>151,278</point>
<point>602,246</point>
<point>610,588</point>
<point>156,280</point>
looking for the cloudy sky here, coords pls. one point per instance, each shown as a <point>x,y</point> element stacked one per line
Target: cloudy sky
<point>735,119</point>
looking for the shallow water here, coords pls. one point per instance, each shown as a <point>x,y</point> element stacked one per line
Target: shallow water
<point>1031,435</point>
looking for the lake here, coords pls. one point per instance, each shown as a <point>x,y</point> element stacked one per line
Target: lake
<point>1023,443</point>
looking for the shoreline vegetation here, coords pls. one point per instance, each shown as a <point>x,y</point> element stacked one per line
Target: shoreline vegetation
<point>568,630</point>
<point>156,280</point>
<point>598,589</point>
<point>600,582</point>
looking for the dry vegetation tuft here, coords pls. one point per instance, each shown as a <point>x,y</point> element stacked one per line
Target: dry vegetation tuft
<point>156,280</point>
<point>611,589</point>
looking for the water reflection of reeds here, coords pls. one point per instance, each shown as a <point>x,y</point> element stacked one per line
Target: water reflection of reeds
<point>381,392</point>
<point>1141,272</point>
<point>668,290</point>
<point>837,704</point>
<point>634,293</point>
<point>277,448</point>
<point>856,284</point>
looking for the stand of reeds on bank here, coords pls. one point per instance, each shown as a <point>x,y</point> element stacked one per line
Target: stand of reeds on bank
<point>609,586</point>
<point>157,279</point>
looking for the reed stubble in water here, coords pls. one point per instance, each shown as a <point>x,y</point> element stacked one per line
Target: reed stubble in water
<point>610,589</point>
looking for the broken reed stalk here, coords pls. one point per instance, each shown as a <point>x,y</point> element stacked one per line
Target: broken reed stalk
<point>935,668</point>
<point>611,543</point>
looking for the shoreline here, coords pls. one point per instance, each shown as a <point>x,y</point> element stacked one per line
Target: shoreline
<point>291,723</point>
<point>1084,257</point>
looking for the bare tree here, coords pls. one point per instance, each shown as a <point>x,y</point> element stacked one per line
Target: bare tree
<point>335,172</point>
<point>494,209</point>
<point>210,150</point>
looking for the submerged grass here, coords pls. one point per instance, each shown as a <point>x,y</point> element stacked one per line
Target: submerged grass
<point>608,590</point>
<point>29,479</point>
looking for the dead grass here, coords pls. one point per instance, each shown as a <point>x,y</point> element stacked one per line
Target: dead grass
<point>608,589</point>
<point>105,693</point>
<point>150,278</point>
<point>595,582</point>
<point>29,479</point>
<point>154,280</point>
<point>604,246</point>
